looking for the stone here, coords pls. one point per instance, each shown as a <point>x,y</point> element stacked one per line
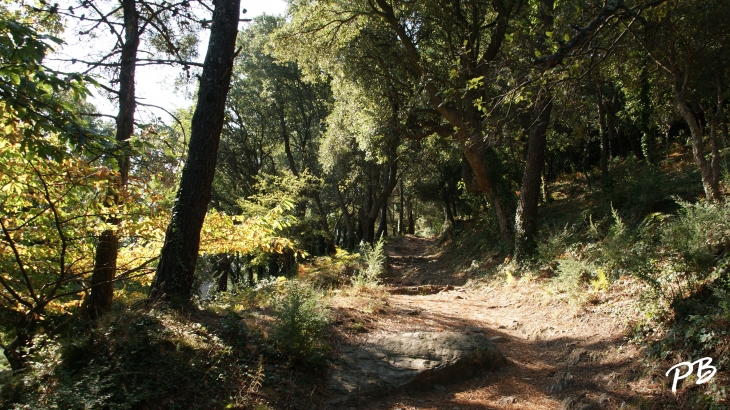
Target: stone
<point>507,400</point>
<point>383,364</point>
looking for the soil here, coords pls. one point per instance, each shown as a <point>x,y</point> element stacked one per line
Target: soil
<point>561,356</point>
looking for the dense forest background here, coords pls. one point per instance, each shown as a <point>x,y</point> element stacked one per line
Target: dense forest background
<point>577,141</point>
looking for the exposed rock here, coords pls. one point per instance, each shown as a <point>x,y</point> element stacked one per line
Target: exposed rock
<point>396,362</point>
<point>420,290</point>
<point>507,400</point>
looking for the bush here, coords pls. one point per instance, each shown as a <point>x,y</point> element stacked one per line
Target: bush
<point>301,319</point>
<point>553,242</point>
<point>140,359</point>
<point>374,259</point>
<point>572,275</point>
<point>699,233</point>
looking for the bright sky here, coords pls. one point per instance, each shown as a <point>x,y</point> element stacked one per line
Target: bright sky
<point>155,84</point>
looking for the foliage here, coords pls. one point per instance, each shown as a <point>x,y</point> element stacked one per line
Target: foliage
<point>222,233</point>
<point>141,358</point>
<point>554,242</point>
<point>375,260</point>
<point>572,276</point>
<point>38,101</point>
<point>328,272</point>
<point>301,319</point>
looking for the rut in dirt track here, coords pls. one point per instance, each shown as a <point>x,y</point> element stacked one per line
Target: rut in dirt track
<point>560,357</point>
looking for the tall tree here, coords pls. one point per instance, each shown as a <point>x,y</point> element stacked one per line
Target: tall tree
<point>164,28</point>
<point>530,192</point>
<point>105,267</point>
<point>173,280</point>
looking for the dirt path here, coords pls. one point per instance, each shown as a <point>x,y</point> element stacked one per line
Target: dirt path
<point>560,357</point>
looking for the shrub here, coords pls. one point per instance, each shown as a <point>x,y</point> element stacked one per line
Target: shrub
<point>699,233</point>
<point>374,259</point>
<point>301,319</point>
<point>139,359</point>
<point>572,275</point>
<point>553,242</point>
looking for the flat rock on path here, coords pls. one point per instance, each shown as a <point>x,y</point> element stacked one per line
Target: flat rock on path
<point>394,362</point>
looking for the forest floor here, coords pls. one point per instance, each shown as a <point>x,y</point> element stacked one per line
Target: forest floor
<point>561,355</point>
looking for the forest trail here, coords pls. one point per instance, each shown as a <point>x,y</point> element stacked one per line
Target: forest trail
<point>560,357</point>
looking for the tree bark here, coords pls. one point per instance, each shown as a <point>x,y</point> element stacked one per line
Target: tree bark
<point>371,215</point>
<point>603,133</point>
<point>715,124</point>
<point>526,217</point>
<point>173,280</point>
<point>401,228</point>
<point>411,222</point>
<point>349,230</point>
<point>383,225</point>
<point>105,263</point>
<point>712,191</point>
<point>476,157</point>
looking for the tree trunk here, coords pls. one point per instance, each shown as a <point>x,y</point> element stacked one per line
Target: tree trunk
<point>712,191</point>
<point>411,223</point>
<point>349,231</point>
<point>715,124</point>
<point>614,141</point>
<point>383,226</point>
<point>105,264</point>
<point>448,215</point>
<point>16,352</point>
<point>391,176</point>
<point>603,133</point>
<point>173,280</point>
<point>401,227</point>
<point>526,218</point>
<point>328,237</point>
<point>102,279</point>
<point>476,157</point>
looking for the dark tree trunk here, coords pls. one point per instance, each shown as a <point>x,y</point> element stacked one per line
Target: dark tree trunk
<point>102,279</point>
<point>476,158</point>
<point>16,352</point>
<point>530,191</point>
<point>383,226</point>
<point>371,215</point>
<point>603,133</point>
<point>526,218</point>
<point>173,280</point>
<point>712,191</point>
<point>273,266</point>
<point>105,264</point>
<point>610,109</point>
<point>223,282</point>
<point>715,124</point>
<point>223,269</point>
<point>448,215</point>
<point>328,237</point>
<point>411,223</point>
<point>349,231</point>
<point>401,227</point>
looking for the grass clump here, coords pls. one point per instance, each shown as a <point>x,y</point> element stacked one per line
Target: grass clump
<point>300,322</point>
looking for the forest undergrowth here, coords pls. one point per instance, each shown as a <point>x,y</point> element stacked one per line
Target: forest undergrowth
<point>654,263</point>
